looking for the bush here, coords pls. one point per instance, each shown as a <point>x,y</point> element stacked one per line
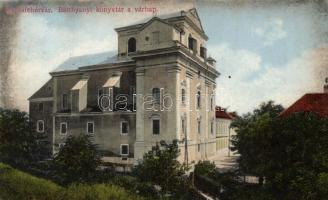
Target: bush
<point>205,168</point>
<point>77,160</point>
<point>98,192</point>
<point>18,185</point>
<point>132,184</point>
<point>15,184</point>
<point>161,168</point>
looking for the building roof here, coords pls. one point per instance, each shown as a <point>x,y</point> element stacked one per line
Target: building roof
<point>222,114</point>
<point>312,102</point>
<point>73,63</point>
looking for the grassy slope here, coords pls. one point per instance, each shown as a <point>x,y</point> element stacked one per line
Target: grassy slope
<point>15,184</point>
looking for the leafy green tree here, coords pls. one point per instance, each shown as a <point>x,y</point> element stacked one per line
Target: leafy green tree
<point>299,157</point>
<point>161,167</point>
<point>77,160</point>
<point>20,145</point>
<point>289,153</point>
<point>253,139</point>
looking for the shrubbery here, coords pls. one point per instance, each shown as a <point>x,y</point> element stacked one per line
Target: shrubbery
<point>18,185</point>
<point>15,184</point>
<point>98,192</point>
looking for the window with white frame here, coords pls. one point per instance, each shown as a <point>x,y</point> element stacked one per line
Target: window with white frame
<point>63,128</point>
<point>90,127</point>
<point>198,99</point>
<point>156,126</point>
<point>61,145</point>
<point>124,149</point>
<point>124,128</point>
<point>40,126</point>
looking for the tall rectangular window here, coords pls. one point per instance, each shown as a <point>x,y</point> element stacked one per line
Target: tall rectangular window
<point>203,52</point>
<point>124,128</point>
<point>40,126</point>
<point>198,127</point>
<point>63,128</point>
<point>212,128</point>
<point>65,101</point>
<point>90,127</point>
<point>191,43</point>
<point>124,149</point>
<point>156,126</point>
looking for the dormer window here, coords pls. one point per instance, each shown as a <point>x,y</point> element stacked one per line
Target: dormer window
<point>132,45</point>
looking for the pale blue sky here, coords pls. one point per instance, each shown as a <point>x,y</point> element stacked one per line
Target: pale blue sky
<point>271,52</point>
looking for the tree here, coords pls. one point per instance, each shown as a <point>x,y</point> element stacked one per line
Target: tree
<point>253,138</point>
<point>20,145</point>
<point>161,167</point>
<point>290,153</point>
<point>77,160</point>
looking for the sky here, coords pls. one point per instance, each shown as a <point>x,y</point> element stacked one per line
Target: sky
<point>271,51</point>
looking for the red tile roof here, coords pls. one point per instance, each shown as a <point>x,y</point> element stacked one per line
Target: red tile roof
<point>221,113</point>
<point>314,102</point>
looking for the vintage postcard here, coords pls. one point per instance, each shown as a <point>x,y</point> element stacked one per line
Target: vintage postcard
<point>164,99</point>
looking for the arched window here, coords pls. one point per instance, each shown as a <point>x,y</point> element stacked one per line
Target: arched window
<point>156,93</point>
<point>132,45</point>
<point>183,95</point>
<point>198,99</point>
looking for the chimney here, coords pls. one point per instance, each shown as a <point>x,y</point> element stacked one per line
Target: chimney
<point>325,87</point>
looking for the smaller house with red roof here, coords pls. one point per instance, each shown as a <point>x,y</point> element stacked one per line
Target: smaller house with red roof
<point>223,129</point>
<point>311,102</point>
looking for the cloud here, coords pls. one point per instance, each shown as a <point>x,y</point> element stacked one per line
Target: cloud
<point>41,49</point>
<point>271,31</point>
<point>253,81</point>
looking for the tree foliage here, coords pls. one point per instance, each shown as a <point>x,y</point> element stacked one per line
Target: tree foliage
<point>290,153</point>
<point>19,143</point>
<point>161,167</point>
<point>77,160</point>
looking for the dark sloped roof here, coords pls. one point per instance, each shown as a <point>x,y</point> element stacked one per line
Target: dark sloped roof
<point>313,102</point>
<point>221,113</point>
<point>73,63</point>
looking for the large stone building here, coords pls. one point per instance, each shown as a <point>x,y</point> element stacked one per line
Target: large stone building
<point>159,85</point>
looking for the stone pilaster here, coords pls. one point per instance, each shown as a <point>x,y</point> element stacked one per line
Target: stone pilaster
<point>139,146</point>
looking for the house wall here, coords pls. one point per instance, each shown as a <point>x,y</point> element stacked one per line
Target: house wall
<point>222,133</point>
<point>107,130</point>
